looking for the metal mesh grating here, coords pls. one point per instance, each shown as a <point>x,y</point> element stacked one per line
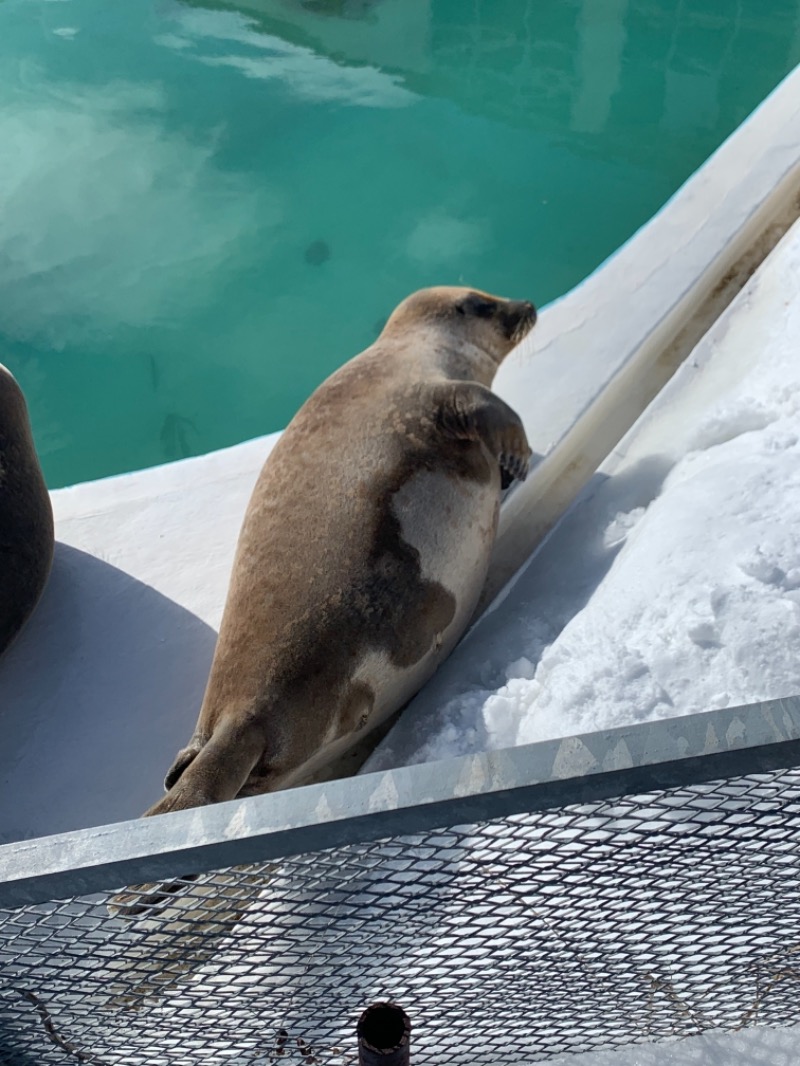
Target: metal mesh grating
<point>627,919</point>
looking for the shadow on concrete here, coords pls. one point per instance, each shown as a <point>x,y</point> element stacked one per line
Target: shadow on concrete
<point>97,694</point>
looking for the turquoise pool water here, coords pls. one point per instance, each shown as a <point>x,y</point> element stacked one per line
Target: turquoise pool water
<point>205,207</point>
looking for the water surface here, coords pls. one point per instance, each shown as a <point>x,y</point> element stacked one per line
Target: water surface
<point>207,207</point>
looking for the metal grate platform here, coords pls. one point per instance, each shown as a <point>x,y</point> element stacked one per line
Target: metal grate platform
<point>517,910</point>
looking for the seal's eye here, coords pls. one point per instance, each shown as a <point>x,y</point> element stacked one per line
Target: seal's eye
<point>476,305</point>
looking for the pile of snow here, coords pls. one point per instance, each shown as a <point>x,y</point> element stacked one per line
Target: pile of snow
<point>673,586</point>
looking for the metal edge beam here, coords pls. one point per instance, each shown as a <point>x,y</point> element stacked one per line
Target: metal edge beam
<point>633,759</point>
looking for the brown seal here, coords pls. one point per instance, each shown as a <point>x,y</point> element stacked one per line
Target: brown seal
<point>26,515</point>
<point>363,551</point>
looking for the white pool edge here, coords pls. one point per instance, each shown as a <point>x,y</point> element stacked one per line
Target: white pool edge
<point>603,352</point>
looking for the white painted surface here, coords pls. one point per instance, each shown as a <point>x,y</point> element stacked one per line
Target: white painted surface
<point>584,339</point>
<point>105,682</point>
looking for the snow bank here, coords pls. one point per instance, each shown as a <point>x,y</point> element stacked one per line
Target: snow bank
<point>673,586</point>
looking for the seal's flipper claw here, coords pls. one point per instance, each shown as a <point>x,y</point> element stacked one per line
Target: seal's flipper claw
<point>183,759</point>
<point>512,468</point>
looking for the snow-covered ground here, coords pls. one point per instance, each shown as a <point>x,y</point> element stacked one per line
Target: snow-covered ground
<point>673,586</point>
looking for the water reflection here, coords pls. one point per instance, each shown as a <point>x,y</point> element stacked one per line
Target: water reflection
<point>92,180</point>
<point>577,65</point>
<point>208,206</point>
<point>306,72</point>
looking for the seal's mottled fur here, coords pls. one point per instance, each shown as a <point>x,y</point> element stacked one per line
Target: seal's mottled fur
<point>363,551</point>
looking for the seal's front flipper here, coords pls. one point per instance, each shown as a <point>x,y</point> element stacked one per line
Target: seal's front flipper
<point>470,411</point>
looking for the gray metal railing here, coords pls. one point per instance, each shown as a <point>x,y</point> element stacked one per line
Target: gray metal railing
<point>565,896</point>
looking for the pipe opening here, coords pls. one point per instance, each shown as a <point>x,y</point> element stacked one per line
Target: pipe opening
<point>383,1027</point>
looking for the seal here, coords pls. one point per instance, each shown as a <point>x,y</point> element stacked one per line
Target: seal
<point>26,515</point>
<point>364,549</point>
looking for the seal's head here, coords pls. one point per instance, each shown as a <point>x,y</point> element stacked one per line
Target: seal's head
<point>467,320</point>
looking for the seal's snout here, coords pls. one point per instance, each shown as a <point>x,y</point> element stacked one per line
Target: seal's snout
<point>520,319</point>
<point>525,312</point>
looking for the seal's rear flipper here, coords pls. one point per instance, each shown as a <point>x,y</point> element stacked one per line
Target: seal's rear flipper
<point>214,771</point>
<point>184,757</point>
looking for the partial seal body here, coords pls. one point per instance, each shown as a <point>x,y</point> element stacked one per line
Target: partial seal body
<point>363,551</point>
<point>26,515</point>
